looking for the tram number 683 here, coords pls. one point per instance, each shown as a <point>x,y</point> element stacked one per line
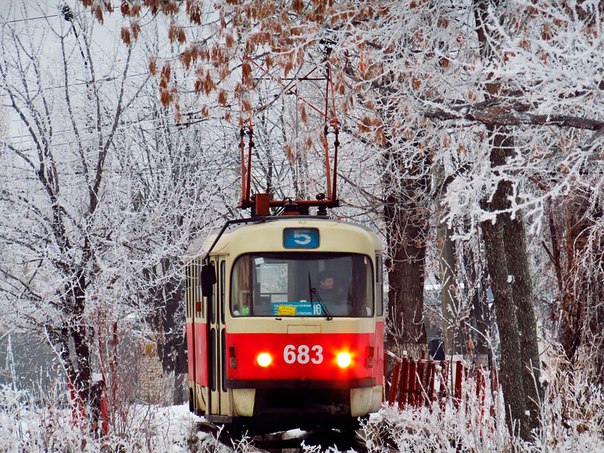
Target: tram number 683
<point>303,354</point>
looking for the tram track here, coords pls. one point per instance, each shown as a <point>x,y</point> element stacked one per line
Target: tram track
<point>286,442</point>
<point>322,439</point>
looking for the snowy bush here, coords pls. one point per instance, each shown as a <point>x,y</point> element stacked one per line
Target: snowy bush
<point>573,413</point>
<point>38,426</point>
<point>476,425</point>
<point>572,420</point>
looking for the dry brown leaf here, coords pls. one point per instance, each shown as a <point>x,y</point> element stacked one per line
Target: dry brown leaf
<point>98,12</point>
<point>125,35</point>
<point>153,66</point>
<point>222,98</point>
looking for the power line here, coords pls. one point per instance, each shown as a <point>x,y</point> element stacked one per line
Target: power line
<point>99,80</point>
<point>25,19</point>
<point>26,138</point>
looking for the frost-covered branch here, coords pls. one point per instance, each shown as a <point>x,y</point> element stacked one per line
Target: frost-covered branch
<point>506,115</point>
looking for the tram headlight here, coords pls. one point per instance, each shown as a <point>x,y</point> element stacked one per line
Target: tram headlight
<point>344,360</point>
<point>264,359</point>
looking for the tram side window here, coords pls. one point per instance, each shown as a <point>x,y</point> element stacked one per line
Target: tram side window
<point>192,288</point>
<point>188,288</point>
<point>222,289</point>
<point>197,302</point>
<point>242,289</point>
<point>211,300</point>
<point>379,285</point>
<point>361,294</point>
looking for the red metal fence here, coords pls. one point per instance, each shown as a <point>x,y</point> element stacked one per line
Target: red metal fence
<point>416,383</point>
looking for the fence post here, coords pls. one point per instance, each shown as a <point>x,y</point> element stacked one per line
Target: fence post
<point>431,379</point>
<point>421,382</point>
<point>403,383</point>
<point>459,371</point>
<point>395,383</point>
<point>412,398</point>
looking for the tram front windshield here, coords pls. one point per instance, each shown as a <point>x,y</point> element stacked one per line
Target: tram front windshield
<point>302,284</point>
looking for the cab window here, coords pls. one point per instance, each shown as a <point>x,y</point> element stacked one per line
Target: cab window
<point>302,284</point>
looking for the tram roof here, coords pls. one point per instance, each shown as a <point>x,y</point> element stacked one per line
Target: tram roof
<point>202,244</point>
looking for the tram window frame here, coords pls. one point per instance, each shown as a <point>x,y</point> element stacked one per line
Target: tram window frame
<point>214,359</point>
<point>188,285</point>
<point>223,382</point>
<point>379,285</point>
<point>212,300</point>
<point>196,288</point>
<point>361,307</point>
<point>222,278</point>
<point>198,292</point>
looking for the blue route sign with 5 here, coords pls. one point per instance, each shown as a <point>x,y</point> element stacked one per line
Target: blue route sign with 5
<point>300,238</point>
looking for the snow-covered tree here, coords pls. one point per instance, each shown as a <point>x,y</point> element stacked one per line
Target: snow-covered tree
<point>102,191</point>
<point>55,184</point>
<point>501,98</point>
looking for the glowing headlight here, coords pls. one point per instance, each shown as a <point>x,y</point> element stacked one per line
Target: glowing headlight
<point>264,359</point>
<point>344,360</point>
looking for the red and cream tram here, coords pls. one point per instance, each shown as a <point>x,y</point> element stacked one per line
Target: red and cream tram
<point>285,324</point>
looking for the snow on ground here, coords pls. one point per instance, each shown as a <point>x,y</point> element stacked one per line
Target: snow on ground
<point>29,425</point>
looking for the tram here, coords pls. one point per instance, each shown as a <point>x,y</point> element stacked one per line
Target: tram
<point>285,323</point>
<point>285,313</point>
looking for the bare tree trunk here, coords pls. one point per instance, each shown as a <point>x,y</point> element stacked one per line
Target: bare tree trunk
<point>511,368</point>
<point>166,317</point>
<point>453,333</point>
<point>510,376</point>
<point>511,283</point>
<point>506,258</point>
<point>406,237</point>
<point>522,292</point>
<point>406,277</point>
<point>72,339</point>
<point>483,320</point>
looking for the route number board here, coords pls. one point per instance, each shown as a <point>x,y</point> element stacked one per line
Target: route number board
<point>300,238</point>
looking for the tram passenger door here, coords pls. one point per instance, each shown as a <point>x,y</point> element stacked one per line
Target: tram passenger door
<point>219,402</point>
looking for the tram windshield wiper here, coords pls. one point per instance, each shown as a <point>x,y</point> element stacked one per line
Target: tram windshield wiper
<point>315,297</point>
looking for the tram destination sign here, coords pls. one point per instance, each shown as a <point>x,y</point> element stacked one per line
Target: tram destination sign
<point>302,308</point>
<point>301,238</point>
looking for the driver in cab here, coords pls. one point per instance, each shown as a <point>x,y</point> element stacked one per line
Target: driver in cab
<point>334,297</point>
